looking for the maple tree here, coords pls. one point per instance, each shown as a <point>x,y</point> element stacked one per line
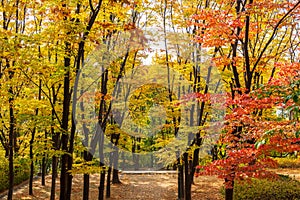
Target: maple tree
<point>247,53</point>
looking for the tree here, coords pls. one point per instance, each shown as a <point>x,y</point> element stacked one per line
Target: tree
<point>254,35</point>
<point>12,13</point>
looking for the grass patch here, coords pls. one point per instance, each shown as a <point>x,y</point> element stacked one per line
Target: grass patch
<point>288,162</point>
<point>22,171</point>
<point>285,188</point>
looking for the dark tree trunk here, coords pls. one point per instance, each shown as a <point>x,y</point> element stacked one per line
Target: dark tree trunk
<point>87,157</point>
<point>133,152</point>
<point>53,179</point>
<point>70,159</point>
<point>11,137</point>
<point>11,146</point>
<point>56,146</point>
<point>7,152</point>
<point>109,167</point>
<point>31,163</point>
<point>187,177</point>
<point>64,126</point>
<point>86,154</point>
<point>102,167</point>
<point>108,182</point>
<point>86,186</point>
<point>31,144</point>
<point>229,191</point>
<point>102,119</point>
<point>115,179</point>
<point>115,157</point>
<point>101,185</point>
<point>3,140</point>
<point>44,167</point>
<point>196,156</point>
<point>214,152</point>
<point>228,194</point>
<point>180,179</point>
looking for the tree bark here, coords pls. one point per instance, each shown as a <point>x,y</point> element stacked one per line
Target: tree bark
<point>11,144</point>
<point>31,145</point>
<point>101,185</point>
<point>64,126</point>
<point>115,178</point>
<point>229,191</point>
<point>53,178</point>
<point>43,169</point>
<point>108,182</point>
<point>86,186</point>
<point>187,177</point>
<point>180,179</point>
<point>56,145</point>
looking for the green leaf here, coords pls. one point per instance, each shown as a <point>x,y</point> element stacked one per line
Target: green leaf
<point>295,98</point>
<point>297,134</point>
<point>259,143</point>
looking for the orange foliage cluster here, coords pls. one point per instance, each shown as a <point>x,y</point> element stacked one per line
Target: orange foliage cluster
<point>215,27</point>
<point>250,136</point>
<point>253,131</point>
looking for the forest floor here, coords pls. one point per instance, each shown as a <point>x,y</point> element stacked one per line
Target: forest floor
<point>133,187</point>
<point>161,186</point>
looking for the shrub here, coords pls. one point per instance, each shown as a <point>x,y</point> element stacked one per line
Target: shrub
<point>3,173</point>
<point>261,189</point>
<point>22,172</point>
<point>205,160</point>
<point>288,162</point>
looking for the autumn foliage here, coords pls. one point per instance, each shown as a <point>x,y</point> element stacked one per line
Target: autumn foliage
<point>262,82</point>
<point>254,133</point>
<point>245,49</point>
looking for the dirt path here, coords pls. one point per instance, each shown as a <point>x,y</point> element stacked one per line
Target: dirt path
<point>133,187</point>
<point>293,173</point>
<point>161,186</point>
<point>164,187</point>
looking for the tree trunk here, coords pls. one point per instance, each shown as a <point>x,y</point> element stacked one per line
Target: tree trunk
<point>109,167</point>
<point>64,125</point>
<point>115,179</point>
<point>86,186</point>
<point>53,179</point>
<point>229,191</point>
<point>180,180</point>
<point>31,144</point>
<point>214,152</point>
<point>108,182</point>
<point>11,136</point>
<point>115,158</point>
<point>102,119</point>
<point>187,177</point>
<point>195,162</point>
<point>11,145</point>
<point>44,167</point>
<point>43,182</point>
<point>102,167</point>
<point>101,185</point>
<point>56,146</point>
<point>31,163</point>
<point>70,158</point>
